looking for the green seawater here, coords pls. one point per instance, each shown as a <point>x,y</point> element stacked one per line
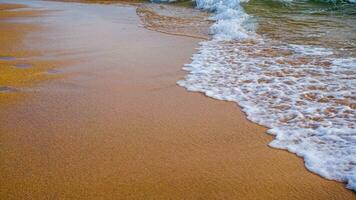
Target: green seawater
<point>329,24</point>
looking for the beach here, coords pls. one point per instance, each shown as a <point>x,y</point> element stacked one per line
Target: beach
<point>106,119</point>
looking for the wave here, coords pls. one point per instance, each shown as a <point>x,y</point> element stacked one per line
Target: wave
<point>319,1</point>
<point>304,94</point>
<point>334,1</point>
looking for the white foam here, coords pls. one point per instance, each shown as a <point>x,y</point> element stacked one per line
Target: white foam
<point>305,95</point>
<point>231,20</point>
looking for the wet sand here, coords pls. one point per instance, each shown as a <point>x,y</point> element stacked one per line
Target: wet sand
<point>21,66</point>
<point>118,126</point>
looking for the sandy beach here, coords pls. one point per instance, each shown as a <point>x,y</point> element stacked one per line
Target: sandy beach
<point>115,125</point>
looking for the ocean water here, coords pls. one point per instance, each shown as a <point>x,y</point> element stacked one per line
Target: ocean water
<point>291,66</point>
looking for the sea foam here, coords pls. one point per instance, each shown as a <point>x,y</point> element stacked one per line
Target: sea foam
<point>305,95</point>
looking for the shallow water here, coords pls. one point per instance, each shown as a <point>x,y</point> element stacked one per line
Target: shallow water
<point>330,25</point>
<point>174,20</point>
<point>291,66</point>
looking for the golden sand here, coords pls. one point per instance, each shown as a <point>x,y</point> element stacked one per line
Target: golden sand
<point>122,129</point>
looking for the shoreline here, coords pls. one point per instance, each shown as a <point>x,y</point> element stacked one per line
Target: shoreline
<point>120,127</point>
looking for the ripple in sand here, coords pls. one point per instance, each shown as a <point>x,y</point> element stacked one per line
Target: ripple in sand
<point>7,58</point>
<point>7,89</point>
<point>23,65</point>
<point>53,71</point>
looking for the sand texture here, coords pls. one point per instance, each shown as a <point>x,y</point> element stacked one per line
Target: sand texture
<point>118,127</point>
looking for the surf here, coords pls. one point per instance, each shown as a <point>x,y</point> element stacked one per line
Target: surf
<point>303,91</point>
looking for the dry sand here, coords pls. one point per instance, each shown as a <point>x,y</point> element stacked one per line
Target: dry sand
<point>118,127</point>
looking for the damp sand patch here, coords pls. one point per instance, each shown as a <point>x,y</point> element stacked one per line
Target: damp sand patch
<point>20,67</point>
<point>6,89</point>
<point>8,11</point>
<point>23,65</point>
<point>27,74</point>
<point>8,6</point>
<point>9,94</point>
<point>53,71</point>
<point>7,58</point>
